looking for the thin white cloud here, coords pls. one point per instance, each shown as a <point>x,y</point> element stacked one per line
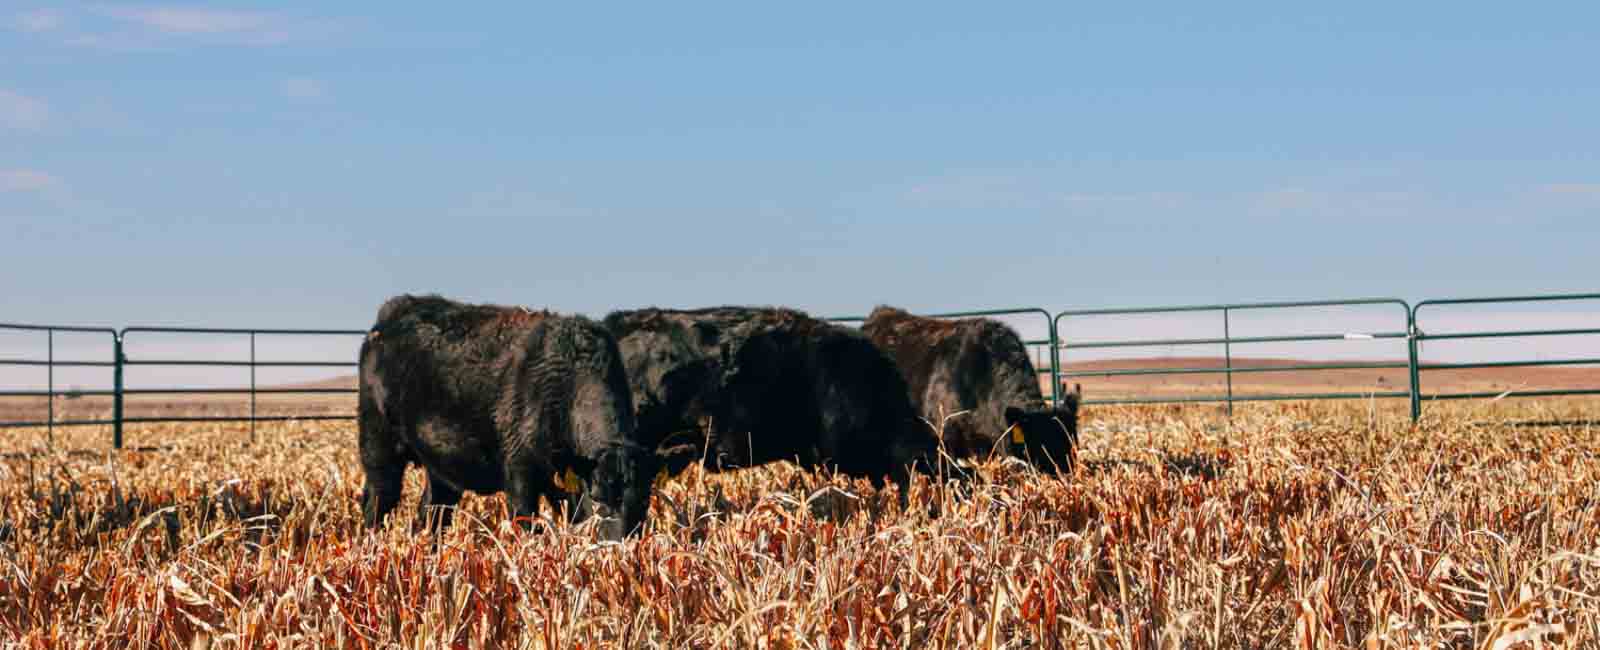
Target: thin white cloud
<point>39,20</point>
<point>976,191</point>
<point>21,112</point>
<point>194,20</point>
<point>27,180</point>
<point>147,27</point>
<point>1289,198</point>
<point>1027,192</point>
<point>1338,204</point>
<point>1137,197</point>
<point>304,89</point>
<point>1571,189</point>
<point>502,201</point>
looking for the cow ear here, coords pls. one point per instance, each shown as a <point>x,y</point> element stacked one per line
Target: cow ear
<point>1013,415</point>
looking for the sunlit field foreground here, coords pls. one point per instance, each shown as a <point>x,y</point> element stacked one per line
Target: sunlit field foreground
<point>1298,526</point>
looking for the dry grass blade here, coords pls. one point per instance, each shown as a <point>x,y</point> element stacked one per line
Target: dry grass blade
<point>1312,525</point>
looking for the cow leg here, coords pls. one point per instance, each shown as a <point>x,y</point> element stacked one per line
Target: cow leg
<point>902,479</point>
<point>379,496</point>
<point>523,490</point>
<point>904,458</point>
<point>384,465</point>
<point>439,501</point>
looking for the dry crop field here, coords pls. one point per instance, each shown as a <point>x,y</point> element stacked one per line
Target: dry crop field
<point>1297,526</point>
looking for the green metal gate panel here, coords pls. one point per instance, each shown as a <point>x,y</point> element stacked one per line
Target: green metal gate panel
<point>1408,326</point>
<point>253,363</point>
<point>1420,335</point>
<point>50,363</point>
<point>1227,340</point>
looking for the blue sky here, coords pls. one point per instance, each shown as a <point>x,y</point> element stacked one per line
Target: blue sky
<point>293,164</point>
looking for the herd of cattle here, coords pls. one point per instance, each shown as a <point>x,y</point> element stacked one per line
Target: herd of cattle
<point>536,404</point>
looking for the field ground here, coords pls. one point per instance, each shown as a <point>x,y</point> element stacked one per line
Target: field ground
<point>1328,525</point>
<point>14,409</point>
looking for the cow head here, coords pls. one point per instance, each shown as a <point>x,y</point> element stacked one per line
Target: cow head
<point>1045,436</point>
<point>622,481</point>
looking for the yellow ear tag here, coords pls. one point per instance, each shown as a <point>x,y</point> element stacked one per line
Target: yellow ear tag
<point>568,481</point>
<point>660,480</point>
<point>1016,434</point>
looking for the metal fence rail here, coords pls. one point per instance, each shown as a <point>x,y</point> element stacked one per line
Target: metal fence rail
<point>1049,343</point>
<point>1419,335</point>
<point>1407,328</point>
<point>1227,341</point>
<point>252,363</point>
<point>119,362</point>
<point>50,363</point>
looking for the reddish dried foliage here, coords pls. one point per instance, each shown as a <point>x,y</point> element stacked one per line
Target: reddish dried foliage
<point>1309,526</point>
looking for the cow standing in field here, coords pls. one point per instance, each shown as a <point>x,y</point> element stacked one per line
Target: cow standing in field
<point>491,398</point>
<point>773,384</point>
<point>979,366</point>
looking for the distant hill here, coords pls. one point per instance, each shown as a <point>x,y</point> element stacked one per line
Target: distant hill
<point>347,381</point>
<point>1380,380</point>
<point>1361,379</point>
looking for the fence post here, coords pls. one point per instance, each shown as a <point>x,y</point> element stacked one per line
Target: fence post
<point>1055,362</point>
<point>116,390</point>
<point>50,389</point>
<point>252,388</point>
<point>1227,357</point>
<point>1412,334</point>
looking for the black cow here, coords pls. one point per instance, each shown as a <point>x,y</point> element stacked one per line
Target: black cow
<point>980,366</point>
<point>491,398</point>
<point>773,384</point>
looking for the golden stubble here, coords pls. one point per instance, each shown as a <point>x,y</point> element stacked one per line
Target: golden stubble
<point>1294,525</point>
